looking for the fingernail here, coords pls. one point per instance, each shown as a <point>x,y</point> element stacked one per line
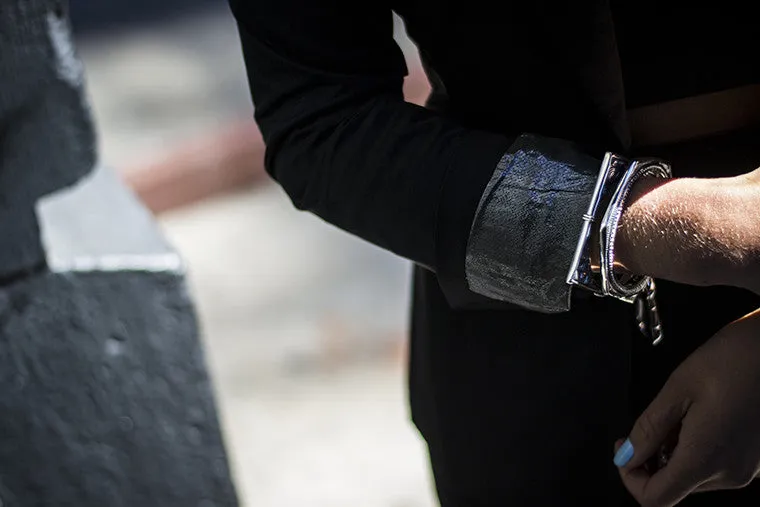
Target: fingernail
<point>624,454</point>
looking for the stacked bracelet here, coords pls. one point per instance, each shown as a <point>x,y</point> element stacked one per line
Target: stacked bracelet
<point>616,179</point>
<point>611,285</point>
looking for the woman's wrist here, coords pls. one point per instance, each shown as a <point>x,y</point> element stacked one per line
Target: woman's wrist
<point>694,231</point>
<point>635,248</point>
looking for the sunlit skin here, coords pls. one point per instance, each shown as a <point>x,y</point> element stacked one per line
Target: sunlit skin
<point>694,231</point>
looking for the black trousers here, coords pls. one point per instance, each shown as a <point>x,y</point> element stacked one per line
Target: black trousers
<point>521,409</point>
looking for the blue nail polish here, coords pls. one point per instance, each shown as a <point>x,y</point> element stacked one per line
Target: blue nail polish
<point>624,454</point>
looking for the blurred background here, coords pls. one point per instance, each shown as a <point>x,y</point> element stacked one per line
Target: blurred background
<point>304,326</point>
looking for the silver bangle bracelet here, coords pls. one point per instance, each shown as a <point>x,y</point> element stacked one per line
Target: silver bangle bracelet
<point>611,285</point>
<point>613,187</point>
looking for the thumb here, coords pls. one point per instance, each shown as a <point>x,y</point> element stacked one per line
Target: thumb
<point>653,427</point>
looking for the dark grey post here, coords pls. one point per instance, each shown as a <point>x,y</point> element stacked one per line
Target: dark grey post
<point>105,400</point>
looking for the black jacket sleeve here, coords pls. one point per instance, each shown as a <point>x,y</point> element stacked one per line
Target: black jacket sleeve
<point>326,79</point>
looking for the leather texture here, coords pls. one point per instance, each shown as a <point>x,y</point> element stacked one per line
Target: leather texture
<point>528,222</point>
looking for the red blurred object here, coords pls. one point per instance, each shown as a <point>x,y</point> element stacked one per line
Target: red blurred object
<point>221,162</point>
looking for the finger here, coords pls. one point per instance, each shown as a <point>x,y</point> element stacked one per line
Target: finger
<point>653,426</point>
<point>710,485</point>
<point>635,481</point>
<point>722,481</point>
<point>665,488</point>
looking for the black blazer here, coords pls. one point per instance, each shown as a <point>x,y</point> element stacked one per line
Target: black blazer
<point>326,80</point>
<point>488,388</point>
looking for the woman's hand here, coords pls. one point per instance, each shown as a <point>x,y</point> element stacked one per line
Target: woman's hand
<point>708,415</point>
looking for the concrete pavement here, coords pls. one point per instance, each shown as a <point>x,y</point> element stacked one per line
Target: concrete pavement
<point>305,326</point>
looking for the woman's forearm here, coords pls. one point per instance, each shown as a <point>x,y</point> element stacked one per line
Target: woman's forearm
<point>694,231</point>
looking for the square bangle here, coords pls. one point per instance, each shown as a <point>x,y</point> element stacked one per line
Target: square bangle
<point>581,272</point>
